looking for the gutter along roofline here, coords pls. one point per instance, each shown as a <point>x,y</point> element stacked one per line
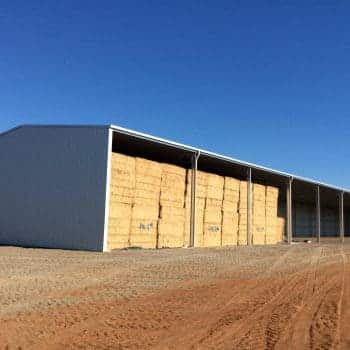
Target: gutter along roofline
<point>210,154</point>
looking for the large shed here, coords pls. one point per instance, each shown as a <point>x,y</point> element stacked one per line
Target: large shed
<point>104,187</point>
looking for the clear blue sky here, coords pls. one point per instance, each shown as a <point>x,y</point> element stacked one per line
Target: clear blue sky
<point>263,81</point>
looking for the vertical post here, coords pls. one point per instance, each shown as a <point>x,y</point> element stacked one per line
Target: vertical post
<point>194,161</point>
<point>289,211</point>
<point>341,216</point>
<point>318,214</point>
<point>249,205</point>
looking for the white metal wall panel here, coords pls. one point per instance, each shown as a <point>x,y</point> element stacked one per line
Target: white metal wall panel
<point>53,187</point>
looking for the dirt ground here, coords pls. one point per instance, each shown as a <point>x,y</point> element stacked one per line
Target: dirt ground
<point>269,297</point>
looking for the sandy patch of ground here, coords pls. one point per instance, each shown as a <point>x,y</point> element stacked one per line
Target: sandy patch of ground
<point>271,297</point>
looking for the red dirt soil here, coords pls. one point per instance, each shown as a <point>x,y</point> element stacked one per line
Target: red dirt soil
<point>295,297</point>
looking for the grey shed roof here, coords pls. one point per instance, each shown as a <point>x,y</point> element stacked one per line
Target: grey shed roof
<point>188,148</point>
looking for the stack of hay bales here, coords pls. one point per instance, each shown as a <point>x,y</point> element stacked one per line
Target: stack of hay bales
<point>243,213</point>
<point>201,193</point>
<point>150,206</point>
<point>259,218</point>
<point>213,211</point>
<point>230,211</point>
<point>171,225</point>
<point>121,200</point>
<point>145,211</point>
<point>272,234</point>
<point>281,227</point>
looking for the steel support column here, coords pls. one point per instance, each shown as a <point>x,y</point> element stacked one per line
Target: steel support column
<point>194,161</point>
<point>318,214</point>
<point>249,206</point>
<point>289,211</point>
<point>341,216</point>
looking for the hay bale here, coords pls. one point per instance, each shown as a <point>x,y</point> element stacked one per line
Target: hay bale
<point>230,218</point>
<point>212,235</point>
<point>271,212</point>
<point>118,233</point>
<point>200,203</point>
<point>172,195</point>
<point>215,180</point>
<point>147,187</point>
<point>230,206</point>
<point>272,191</point>
<point>122,160</point>
<point>148,167</point>
<point>117,191</point>
<point>148,179</point>
<point>243,189</point>
<point>202,178</point>
<point>258,238</point>
<point>259,189</point>
<point>172,213</point>
<point>147,194</point>
<point>174,169</point>
<point>232,184</point>
<point>143,233</point>
<point>173,180</point>
<point>280,228</point>
<point>146,201</point>
<point>212,202</point>
<point>145,212</point>
<point>171,233</point>
<point>176,204</point>
<point>118,176</point>
<point>242,236</point>
<point>201,191</point>
<point>215,192</point>
<point>212,215</point>
<point>231,195</point>
<point>229,228</point>
<point>120,210</point>
<point>121,199</point>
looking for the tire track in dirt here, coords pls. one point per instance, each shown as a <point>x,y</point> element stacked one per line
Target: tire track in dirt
<point>343,331</point>
<point>304,293</point>
<point>294,336</point>
<point>283,321</point>
<point>225,331</point>
<point>275,317</point>
<point>315,323</point>
<point>230,312</point>
<point>326,306</point>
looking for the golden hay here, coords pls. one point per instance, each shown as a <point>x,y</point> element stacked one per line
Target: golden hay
<point>211,235</point>
<point>119,210</point>
<point>172,203</point>
<point>171,213</point>
<point>212,215</point>
<point>212,202</point>
<point>231,183</point>
<point>230,206</point>
<point>144,233</point>
<point>201,191</point>
<point>231,195</point>
<point>145,212</point>
<point>148,179</point>
<point>173,169</point>
<point>215,181</point>
<point>215,192</point>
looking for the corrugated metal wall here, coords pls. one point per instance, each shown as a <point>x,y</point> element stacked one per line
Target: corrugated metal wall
<point>53,187</point>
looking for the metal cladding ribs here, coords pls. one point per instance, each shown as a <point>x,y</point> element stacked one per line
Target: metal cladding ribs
<point>150,207</point>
